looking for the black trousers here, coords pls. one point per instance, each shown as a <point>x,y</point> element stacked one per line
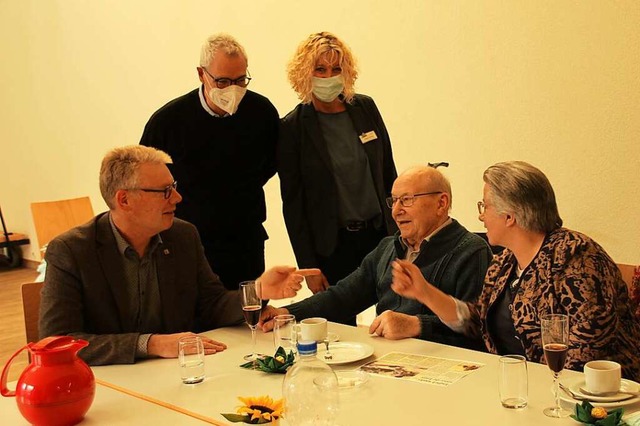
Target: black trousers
<point>234,265</point>
<point>351,248</point>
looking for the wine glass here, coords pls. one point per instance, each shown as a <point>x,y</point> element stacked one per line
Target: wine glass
<point>251,307</point>
<point>555,342</point>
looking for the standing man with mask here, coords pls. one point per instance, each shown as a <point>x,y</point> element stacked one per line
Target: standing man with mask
<point>222,138</point>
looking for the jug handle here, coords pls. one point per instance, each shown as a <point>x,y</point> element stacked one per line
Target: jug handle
<point>5,373</point>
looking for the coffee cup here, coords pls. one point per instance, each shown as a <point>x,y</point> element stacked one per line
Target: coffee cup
<point>313,329</point>
<point>602,376</point>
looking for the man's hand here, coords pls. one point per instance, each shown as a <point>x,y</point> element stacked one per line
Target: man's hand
<point>317,283</point>
<point>166,345</point>
<point>267,315</point>
<point>408,281</point>
<point>281,282</point>
<point>395,326</point>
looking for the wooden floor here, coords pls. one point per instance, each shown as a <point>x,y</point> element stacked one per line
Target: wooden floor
<point>12,335</point>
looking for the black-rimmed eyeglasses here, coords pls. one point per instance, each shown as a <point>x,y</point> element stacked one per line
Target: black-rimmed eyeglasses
<point>223,82</point>
<point>481,207</point>
<point>166,191</point>
<point>408,200</point>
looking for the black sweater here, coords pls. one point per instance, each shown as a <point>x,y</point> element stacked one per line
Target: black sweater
<point>220,163</point>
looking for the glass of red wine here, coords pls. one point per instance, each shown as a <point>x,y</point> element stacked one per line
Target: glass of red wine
<point>251,307</point>
<point>555,342</point>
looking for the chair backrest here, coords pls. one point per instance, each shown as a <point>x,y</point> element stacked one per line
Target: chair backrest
<point>31,309</point>
<point>52,218</point>
<point>628,272</point>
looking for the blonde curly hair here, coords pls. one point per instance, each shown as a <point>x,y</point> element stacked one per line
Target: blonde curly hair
<point>301,66</point>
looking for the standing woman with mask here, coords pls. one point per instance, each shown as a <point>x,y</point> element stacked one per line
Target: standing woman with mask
<point>335,163</point>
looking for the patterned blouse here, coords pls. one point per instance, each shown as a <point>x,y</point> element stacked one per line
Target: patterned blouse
<point>571,274</point>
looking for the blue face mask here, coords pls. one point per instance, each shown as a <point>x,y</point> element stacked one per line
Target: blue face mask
<point>327,89</point>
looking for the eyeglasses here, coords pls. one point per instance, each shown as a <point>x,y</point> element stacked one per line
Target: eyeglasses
<point>408,200</point>
<point>223,82</point>
<point>167,191</point>
<point>481,207</point>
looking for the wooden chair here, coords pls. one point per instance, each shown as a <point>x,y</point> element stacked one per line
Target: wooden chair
<point>52,218</point>
<point>31,309</point>
<point>628,272</point>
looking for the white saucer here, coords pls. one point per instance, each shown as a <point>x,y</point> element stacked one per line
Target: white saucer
<point>612,401</point>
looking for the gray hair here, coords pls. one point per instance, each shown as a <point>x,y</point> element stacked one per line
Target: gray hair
<point>119,169</point>
<point>433,180</point>
<point>520,188</point>
<point>221,41</point>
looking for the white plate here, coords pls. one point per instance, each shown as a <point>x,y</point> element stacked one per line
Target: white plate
<point>345,352</point>
<point>613,401</point>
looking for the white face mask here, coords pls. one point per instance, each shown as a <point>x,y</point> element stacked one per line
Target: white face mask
<point>327,89</point>
<point>227,99</point>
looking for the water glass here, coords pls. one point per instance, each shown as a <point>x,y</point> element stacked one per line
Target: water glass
<point>284,332</point>
<point>191,359</point>
<point>513,381</point>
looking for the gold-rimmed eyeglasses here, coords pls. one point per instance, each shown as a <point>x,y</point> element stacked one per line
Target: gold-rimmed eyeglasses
<point>408,200</point>
<point>166,191</point>
<point>481,207</point>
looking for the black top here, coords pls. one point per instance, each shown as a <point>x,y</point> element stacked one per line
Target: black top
<point>220,163</point>
<point>308,180</point>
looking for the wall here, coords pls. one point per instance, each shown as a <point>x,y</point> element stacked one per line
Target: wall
<point>471,82</point>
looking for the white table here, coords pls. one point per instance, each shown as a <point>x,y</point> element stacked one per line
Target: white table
<point>471,401</point>
<point>109,407</point>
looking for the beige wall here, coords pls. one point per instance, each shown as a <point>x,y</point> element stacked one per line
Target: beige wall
<point>555,83</point>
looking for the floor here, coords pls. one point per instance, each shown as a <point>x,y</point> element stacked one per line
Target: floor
<point>12,335</point>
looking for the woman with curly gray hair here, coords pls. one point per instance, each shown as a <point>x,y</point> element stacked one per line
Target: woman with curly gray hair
<point>335,163</point>
<point>543,269</point>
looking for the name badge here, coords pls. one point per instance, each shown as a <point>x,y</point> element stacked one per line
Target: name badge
<point>368,136</point>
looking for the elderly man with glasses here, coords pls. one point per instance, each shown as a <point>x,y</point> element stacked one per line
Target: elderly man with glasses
<point>134,280</point>
<point>452,258</point>
<point>222,138</point>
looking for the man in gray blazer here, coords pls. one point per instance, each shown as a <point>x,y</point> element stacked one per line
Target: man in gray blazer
<point>133,280</point>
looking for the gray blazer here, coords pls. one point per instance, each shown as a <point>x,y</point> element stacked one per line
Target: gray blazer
<point>85,296</point>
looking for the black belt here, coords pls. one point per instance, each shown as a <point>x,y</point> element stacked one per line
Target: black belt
<point>358,225</point>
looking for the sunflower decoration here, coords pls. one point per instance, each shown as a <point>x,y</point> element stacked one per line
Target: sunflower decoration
<point>257,410</point>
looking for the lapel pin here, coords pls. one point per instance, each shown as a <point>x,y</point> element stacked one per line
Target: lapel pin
<point>166,251</point>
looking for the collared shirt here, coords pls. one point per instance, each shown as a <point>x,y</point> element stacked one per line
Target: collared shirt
<point>205,105</point>
<point>141,279</point>
<point>413,254</point>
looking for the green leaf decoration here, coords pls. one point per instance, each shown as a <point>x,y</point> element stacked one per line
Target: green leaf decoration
<point>235,418</point>
<point>583,415</point>
<point>278,363</point>
<point>243,418</point>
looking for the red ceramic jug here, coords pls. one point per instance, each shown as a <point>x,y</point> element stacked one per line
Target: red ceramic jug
<point>57,388</point>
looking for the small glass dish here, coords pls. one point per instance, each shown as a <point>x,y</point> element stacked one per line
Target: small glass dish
<point>351,379</point>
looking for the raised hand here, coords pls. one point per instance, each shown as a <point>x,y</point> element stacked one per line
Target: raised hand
<point>317,283</point>
<point>281,282</point>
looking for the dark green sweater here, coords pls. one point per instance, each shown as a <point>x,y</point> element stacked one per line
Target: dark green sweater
<point>454,260</point>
